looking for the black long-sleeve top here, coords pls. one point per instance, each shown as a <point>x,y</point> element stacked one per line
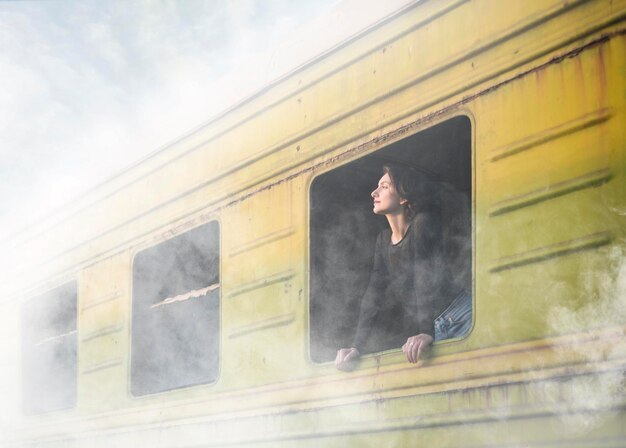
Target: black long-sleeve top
<point>408,288</point>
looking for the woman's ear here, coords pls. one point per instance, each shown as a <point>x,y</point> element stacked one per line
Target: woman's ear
<point>403,201</point>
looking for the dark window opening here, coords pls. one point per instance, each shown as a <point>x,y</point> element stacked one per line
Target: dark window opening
<point>343,228</point>
<point>49,350</point>
<point>175,322</point>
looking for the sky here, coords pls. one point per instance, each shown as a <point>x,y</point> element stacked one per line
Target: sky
<point>90,87</point>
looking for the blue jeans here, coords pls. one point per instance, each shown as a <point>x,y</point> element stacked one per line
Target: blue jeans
<point>456,320</point>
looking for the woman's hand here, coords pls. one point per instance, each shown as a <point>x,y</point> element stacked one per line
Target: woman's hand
<point>346,358</point>
<point>415,346</point>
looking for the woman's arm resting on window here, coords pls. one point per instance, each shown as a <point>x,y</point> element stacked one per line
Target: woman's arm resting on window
<point>346,358</point>
<point>415,346</point>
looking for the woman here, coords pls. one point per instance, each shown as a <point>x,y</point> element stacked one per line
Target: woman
<point>411,281</point>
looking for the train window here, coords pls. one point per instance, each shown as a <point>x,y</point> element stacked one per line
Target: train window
<point>49,350</point>
<point>176,312</point>
<point>343,235</point>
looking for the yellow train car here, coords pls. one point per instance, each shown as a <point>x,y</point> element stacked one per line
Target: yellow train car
<point>197,299</point>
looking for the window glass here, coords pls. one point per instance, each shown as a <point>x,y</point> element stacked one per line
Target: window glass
<point>344,232</point>
<point>49,350</point>
<point>175,320</point>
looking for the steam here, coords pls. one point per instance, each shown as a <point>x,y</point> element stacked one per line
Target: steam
<point>89,88</point>
<point>604,306</point>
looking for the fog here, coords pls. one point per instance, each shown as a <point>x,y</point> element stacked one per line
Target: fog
<point>604,288</point>
<point>92,88</point>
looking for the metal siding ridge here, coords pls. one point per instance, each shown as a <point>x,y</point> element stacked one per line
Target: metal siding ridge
<point>103,331</point>
<point>100,300</point>
<point>534,367</point>
<point>433,420</point>
<point>264,324</point>
<point>559,249</point>
<point>587,180</point>
<point>102,366</point>
<point>563,129</point>
<point>261,283</point>
<point>265,239</point>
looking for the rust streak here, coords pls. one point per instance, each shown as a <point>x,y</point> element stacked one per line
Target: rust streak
<point>408,128</point>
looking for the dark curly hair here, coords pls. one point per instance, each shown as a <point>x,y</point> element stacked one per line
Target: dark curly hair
<point>422,194</point>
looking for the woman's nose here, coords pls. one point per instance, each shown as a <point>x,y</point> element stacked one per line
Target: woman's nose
<point>375,193</point>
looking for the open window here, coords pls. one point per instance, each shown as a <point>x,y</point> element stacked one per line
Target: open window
<point>49,350</point>
<point>343,229</point>
<point>176,312</point>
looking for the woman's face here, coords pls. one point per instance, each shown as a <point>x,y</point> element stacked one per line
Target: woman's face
<point>386,198</point>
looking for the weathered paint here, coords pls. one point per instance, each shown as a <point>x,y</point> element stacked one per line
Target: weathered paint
<point>543,83</point>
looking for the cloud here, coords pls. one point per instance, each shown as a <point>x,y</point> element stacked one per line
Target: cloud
<point>90,87</point>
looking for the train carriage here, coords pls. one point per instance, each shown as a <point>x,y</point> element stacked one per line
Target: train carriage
<point>186,302</point>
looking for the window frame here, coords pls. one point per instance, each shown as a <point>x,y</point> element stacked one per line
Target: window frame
<point>388,139</point>
<point>163,236</point>
<point>29,302</point>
